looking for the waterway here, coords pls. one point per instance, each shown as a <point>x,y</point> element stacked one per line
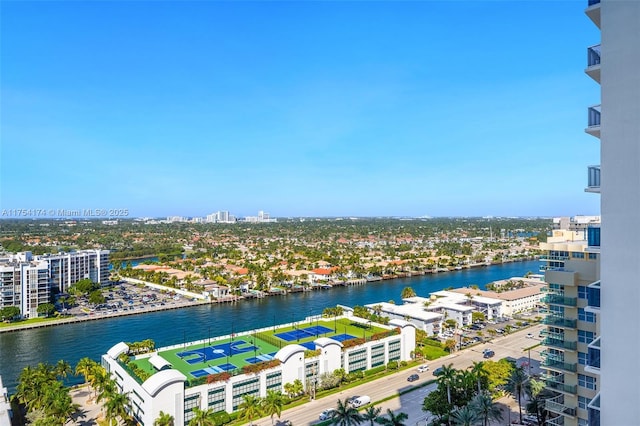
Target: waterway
<point>72,342</point>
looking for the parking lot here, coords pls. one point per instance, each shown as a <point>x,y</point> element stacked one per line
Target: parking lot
<point>125,298</point>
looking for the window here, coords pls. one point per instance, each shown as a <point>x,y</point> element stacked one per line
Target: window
<point>586,382</point>
<point>216,399</point>
<point>583,401</point>
<point>577,255</point>
<point>586,316</point>
<point>583,422</point>
<point>582,292</point>
<point>582,358</point>
<point>274,380</point>
<point>593,256</point>
<point>190,402</point>
<point>246,387</point>
<point>585,336</point>
<point>358,360</point>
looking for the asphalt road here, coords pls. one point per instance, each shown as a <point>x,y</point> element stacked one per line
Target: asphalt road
<point>512,345</point>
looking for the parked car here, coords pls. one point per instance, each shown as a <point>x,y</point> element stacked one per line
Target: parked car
<point>327,414</point>
<point>360,401</point>
<point>413,378</point>
<point>437,371</point>
<point>351,399</point>
<point>423,369</point>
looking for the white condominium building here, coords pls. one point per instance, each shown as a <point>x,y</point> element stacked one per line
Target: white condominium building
<point>615,65</point>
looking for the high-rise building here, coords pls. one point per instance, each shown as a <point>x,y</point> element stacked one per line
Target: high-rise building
<point>603,384</point>
<point>28,282</point>
<point>618,401</point>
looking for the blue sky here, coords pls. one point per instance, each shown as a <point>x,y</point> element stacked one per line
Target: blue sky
<point>315,108</point>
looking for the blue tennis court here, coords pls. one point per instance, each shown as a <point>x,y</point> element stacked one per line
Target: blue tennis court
<point>259,358</point>
<point>342,337</point>
<point>303,333</point>
<point>222,350</point>
<point>309,345</point>
<point>213,370</point>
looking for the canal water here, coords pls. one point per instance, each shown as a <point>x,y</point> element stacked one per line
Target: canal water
<point>72,342</point>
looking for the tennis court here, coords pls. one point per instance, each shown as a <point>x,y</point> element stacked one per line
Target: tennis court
<point>342,337</point>
<point>303,333</point>
<point>222,350</point>
<point>213,370</point>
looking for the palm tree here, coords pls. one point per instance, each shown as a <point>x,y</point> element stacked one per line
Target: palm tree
<point>86,367</point>
<point>116,407</point>
<point>164,419</point>
<point>272,403</point>
<point>371,413</point>
<point>407,292</point>
<point>487,410</point>
<point>464,416</point>
<point>202,417</point>
<point>446,378</point>
<point>391,419</point>
<point>478,371</point>
<point>250,408</point>
<point>63,369</point>
<point>345,415</point>
<point>516,386</point>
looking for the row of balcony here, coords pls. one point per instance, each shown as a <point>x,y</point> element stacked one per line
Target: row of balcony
<point>562,344</point>
<point>560,408</point>
<point>560,365</point>
<point>559,321</point>
<point>555,299</point>
<point>559,386</point>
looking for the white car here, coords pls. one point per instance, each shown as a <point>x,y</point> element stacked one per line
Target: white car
<point>423,369</point>
<point>327,414</point>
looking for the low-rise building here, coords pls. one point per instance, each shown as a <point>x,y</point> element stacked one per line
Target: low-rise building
<point>218,385</point>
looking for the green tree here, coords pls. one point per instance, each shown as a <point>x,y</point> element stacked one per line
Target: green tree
<point>46,309</point>
<point>480,375</point>
<point>407,292</point>
<point>164,419</point>
<point>345,415</point>
<point>391,419</point>
<point>250,408</point>
<point>9,313</point>
<point>371,413</point>
<point>116,406</point>
<point>487,410</point>
<point>447,379</point>
<point>272,404</point>
<point>96,297</point>
<point>515,386</point>
<point>202,417</point>
<point>464,416</point>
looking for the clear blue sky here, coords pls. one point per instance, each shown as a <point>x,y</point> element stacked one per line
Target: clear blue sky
<point>318,108</point>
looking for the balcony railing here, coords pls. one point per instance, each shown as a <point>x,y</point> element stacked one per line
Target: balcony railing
<point>558,407</point>
<point>593,56</point>
<point>593,177</point>
<point>594,116</point>
<point>593,354</point>
<point>562,344</point>
<point>593,296</point>
<point>559,321</point>
<point>555,299</point>
<point>550,257</point>
<point>559,386</point>
<point>566,366</point>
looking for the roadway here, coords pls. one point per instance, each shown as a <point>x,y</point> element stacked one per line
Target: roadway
<point>512,345</point>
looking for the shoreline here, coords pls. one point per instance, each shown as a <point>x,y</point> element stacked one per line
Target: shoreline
<point>190,303</point>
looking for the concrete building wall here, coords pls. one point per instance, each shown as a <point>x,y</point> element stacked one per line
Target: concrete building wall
<point>620,189</point>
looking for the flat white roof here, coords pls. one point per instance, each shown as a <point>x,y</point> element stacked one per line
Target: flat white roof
<point>411,310</point>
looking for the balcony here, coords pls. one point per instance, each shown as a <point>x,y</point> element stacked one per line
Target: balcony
<point>559,365</point>
<point>593,357</point>
<point>593,121</point>
<point>561,344</point>
<point>557,406</point>
<point>593,62</point>
<point>559,386</point>
<point>554,299</point>
<point>556,421</point>
<point>593,179</point>
<point>559,321</point>
<point>593,298</point>
<point>553,257</point>
<point>593,11</point>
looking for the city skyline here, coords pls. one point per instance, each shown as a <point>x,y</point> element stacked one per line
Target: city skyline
<point>299,109</point>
